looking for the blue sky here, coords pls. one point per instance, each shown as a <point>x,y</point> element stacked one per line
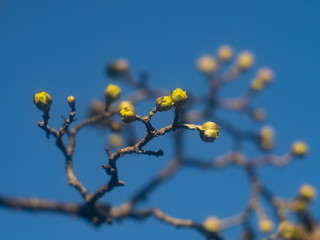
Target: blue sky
<point>62,46</point>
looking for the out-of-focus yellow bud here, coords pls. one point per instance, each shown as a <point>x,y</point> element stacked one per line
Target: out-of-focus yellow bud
<point>112,93</point>
<point>207,64</point>
<point>299,149</point>
<point>71,101</point>
<point>209,131</point>
<point>212,224</point>
<point>114,126</point>
<point>128,114</point>
<point>118,67</point>
<point>115,140</point>
<point>43,101</point>
<point>267,138</point>
<point>265,225</point>
<point>307,192</point>
<point>257,84</point>
<point>265,74</point>
<point>225,53</point>
<point>259,114</point>
<point>179,97</point>
<point>299,205</point>
<point>164,103</point>
<point>287,230</point>
<point>264,77</point>
<point>245,60</point>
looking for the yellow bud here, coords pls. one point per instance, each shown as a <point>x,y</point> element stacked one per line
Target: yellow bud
<point>124,104</point>
<point>43,101</point>
<point>245,60</point>
<point>257,84</point>
<point>225,53</point>
<point>266,138</point>
<point>117,67</point>
<point>72,101</point>
<point>307,192</point>
<point>212,224</point>
<point>164,103</point>
<point>112,92</point>
<point>115,140</point>
<point>265,225</point>
<point>265,74</point>
<point>299,149</point>
<point>179,97</point>
<point>128,114</point>
<point>287,230</point>
<point>299,205</point>
<point>209,131</point>
<point>207,64</point>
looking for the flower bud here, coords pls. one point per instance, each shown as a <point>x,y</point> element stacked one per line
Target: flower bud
<point>265,225</point>
<point>179,97</point>
<point>212,224</point>
<point>207,64</point>
<point>163,103</point>
<point>72,101</point>
<point>263,77</point>
<point>299,149</point>
<point>299,205</point>
<point>265,74</point>
<point>245,60</point>
<point>128,114</point>
<point>114,126</point>
<point>96,108</point>
<point>115,140</point>
<point>43,101</point>
<point>225,53</point>
<point>209,131</point>
<point>124,104</point>
<point>259,114</point>
<point>117,67</point>
<point>307,192</point>
<point>257,84</point>
<point>267,138</point>
<point>287,230</point>
<point>112,92</point>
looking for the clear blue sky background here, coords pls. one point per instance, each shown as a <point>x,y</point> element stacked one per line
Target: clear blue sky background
<point>61,47</point>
